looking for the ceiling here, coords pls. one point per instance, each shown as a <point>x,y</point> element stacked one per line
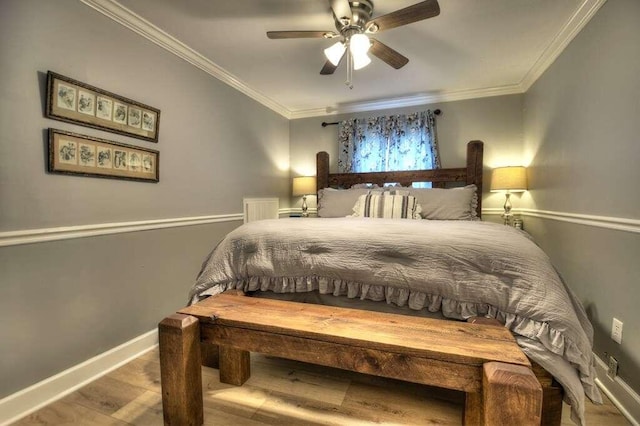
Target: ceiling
<point>474,48</point>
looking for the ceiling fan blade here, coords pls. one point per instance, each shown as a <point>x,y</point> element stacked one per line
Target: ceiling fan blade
<point>387,54</point>
<point>417,12</point>
<point>329,68</point>
<point>341,9</point>
<point>300,34</point>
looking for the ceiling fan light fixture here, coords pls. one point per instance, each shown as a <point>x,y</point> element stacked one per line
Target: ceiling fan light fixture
<point>359,44</point>
<point>334,53</point>
<point>360,61</point>
<point>354,21</point>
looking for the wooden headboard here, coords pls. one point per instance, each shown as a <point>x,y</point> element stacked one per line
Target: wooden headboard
<point>471,174</point>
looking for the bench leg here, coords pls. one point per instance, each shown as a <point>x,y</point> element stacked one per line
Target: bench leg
<point>180,373</point>
<point>552,394</point>
<point>472,414</point>
<point>552,405</point>
<point>210,355</point>
<point>235,365</point>
<point>512,395</point>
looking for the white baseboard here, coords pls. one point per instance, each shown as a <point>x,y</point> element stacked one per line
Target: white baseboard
<point>26,401</point>
<point>619,392</point>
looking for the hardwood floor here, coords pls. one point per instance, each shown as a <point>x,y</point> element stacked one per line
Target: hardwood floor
<point>279,392</point>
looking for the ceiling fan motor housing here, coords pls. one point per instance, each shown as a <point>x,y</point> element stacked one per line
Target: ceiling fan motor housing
<point>361,11</point>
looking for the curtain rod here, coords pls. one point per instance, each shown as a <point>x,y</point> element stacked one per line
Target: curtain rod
<point>325,124</point>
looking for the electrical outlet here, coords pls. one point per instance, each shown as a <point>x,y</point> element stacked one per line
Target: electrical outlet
<point>612,367</point>
<point>616,331</point>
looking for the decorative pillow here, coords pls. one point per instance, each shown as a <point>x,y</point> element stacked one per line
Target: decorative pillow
<point>387,206</point>
<point>447,204</point>
<point>338,202</point>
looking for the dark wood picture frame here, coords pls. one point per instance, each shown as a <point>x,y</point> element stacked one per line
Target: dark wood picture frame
<point>79,103</point>
<point>75,154</point>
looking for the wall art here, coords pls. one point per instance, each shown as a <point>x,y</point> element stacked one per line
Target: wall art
<point>72,153</point>
<point>76,102</point>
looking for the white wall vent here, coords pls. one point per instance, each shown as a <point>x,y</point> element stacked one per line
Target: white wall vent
<point>260,209</point>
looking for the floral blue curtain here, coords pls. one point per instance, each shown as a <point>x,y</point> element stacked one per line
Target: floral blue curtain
<point>396,142</point>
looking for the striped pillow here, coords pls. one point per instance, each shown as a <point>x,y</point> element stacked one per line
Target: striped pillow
<point>387,206</point>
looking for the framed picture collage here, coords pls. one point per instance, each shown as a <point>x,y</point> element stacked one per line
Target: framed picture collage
<point>75,102</point>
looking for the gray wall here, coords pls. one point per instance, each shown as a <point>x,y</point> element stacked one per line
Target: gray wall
<point>497,121</point>
<point>582,121</point>
<point>64,302</point>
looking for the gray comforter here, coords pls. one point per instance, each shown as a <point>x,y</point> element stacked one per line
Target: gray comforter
<point>460,268</point>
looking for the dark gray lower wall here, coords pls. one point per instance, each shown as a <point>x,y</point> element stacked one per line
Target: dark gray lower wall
<point>601,266</point>
<point>64,302</point>
<point>581,136</point>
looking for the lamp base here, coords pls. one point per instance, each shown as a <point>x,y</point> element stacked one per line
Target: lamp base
<point>305,213</point>
<point>507,209</point>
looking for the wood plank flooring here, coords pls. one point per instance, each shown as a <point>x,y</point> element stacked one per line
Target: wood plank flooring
<point>279,392</point>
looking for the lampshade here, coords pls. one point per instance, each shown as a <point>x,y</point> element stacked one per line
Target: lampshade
<point>359,44</point>
<point>513,179</point>
<point>304,185</point>
<point>360,61</point>
<point>335,52</point>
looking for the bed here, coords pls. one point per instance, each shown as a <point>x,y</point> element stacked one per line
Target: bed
<point>451,266</point>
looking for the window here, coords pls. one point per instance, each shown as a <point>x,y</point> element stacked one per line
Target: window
<point>396,142</point>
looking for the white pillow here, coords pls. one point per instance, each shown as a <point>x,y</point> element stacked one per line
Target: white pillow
<point>447,204</point>
<point>386,205</point>
<point>338,202</point>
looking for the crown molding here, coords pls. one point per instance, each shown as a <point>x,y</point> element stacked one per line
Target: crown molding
<point>120,14</point>
<point>408,101</point>
<point>574,25</point>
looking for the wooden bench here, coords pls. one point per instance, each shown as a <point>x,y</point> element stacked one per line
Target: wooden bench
<point>483,361</point>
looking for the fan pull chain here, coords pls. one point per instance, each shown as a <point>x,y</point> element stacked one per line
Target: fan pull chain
<point>349,81</point>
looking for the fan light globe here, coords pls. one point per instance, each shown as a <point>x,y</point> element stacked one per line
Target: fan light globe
<point>335,52</point>
<point>360,61</point>
<point>359,45</point>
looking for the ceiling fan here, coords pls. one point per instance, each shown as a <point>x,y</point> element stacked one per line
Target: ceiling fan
<point>355,26</point>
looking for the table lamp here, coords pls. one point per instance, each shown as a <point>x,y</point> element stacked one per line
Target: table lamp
<point>509,179</point>
<point>304,185</point>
